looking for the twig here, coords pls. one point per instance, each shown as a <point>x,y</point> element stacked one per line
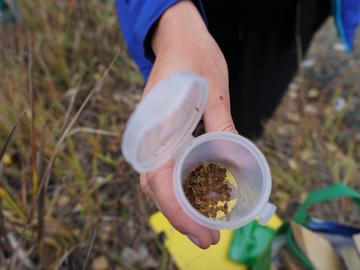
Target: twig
<point>92,131</point>
<point>46,176</point>
<point>2,153</point>
<point>90,248</point>
<point>18,252</point>
<point>41,203</point>
<point>8,137</point>
<point>3,244</point>
<point>24,180</point>
<point>71,105</point>
<point>32,123</point>
<point>64,257</point>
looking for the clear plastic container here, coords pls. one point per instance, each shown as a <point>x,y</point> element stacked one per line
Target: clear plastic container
<point>160,129</point>
<point>249,168</point>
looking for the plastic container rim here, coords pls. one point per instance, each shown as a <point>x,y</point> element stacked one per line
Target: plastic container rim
<point>219,224</point>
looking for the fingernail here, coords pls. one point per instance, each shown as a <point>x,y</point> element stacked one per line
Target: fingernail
<point>194,239</point>
<point>215,241</point>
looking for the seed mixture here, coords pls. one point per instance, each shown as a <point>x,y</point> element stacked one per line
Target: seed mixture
<point>206,189</point>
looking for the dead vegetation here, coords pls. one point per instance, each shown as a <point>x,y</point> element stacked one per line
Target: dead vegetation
<point>68,200</point>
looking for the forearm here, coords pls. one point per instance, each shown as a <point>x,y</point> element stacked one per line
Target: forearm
<point>179,25</point>
<point>181,42</point>
<point>179,38</point>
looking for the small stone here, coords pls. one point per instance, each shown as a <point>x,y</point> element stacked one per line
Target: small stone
<point>100,180</point>
<point>293,94</point>
<point>285,130</point>
<point>129,255</point>
<point>340,104</point>
<point>308,63</point>
<point>100,263</point>
<point>292,164</point>
<point>331,147</point>
<point>313,93</point>
<point>6,159</point>
<point>105,233</point>
<point>339,47</point>
<point>294,86</point>
<point>293,117</point>
<point>310,109</point>
<point>142,251</point>
<point>63,200</point>
<point>306,155</point>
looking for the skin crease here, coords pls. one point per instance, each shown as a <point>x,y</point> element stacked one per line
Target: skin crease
<point>181,42</point>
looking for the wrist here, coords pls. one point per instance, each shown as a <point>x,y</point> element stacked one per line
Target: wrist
<point>180,25</point>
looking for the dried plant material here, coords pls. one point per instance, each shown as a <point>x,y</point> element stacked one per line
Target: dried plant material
<point>207,191</point>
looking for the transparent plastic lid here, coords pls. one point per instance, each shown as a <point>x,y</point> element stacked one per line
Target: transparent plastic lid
<point>164,121</point>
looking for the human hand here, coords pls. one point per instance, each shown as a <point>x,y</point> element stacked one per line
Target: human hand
<point>181,42</point>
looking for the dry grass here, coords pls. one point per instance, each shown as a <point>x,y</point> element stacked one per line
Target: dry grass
<point>314,138</point>
<point>68,200</point>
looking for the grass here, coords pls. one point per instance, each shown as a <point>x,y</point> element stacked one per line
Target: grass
<point>68,199</point>
<point>313,139</point>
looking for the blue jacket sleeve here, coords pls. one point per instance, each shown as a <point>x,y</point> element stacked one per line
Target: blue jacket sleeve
<point>347,18</point>
<point>137,17</point>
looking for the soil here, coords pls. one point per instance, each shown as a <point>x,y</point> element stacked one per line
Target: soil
<point>206,189</point>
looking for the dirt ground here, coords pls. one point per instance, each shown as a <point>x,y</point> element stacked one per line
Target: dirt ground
<point>68,199</point>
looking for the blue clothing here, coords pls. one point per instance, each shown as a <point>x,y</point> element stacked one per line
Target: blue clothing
<point>137,17</point>
<point>347,18</point>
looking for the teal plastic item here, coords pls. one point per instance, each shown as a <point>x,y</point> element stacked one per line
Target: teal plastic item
<point>9,12</point>
<point>249,243</point>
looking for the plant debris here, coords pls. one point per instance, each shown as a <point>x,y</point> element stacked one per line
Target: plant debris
<point>206,189</point>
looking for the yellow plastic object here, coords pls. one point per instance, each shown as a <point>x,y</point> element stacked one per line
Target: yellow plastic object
<point>188,256</point>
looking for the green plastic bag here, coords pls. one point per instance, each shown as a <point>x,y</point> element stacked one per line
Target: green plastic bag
<point>249,242</point>
<point>260,258</point>
<point>302,215</point>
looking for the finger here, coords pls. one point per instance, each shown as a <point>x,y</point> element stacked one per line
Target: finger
<point>160,183</point>
<point>215,234</point>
